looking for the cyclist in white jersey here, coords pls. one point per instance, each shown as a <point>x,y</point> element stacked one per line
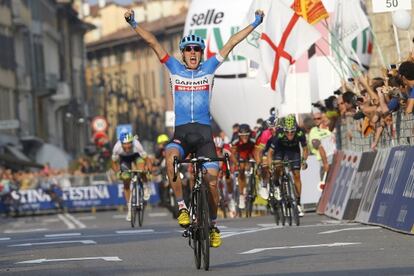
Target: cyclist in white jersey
<point>191,85</point>
<point>128,152</point>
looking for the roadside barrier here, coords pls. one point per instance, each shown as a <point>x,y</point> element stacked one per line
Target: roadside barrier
<point>372,187</point>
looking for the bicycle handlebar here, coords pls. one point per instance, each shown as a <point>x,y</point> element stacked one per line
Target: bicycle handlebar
<point>201,160</point>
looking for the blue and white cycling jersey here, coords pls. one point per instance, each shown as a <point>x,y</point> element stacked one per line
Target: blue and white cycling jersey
<point>192,89</point>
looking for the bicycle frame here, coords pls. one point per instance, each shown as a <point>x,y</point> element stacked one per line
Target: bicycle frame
<point>198,230</point>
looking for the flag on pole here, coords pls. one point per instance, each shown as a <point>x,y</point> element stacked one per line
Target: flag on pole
<point>285,37</point>
<point>311,10</point>
<point>350,20</point>
<point>362,45</point>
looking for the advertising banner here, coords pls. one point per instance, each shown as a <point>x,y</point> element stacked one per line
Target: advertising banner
<point>402,211</point>
<point>394,196</point>
<point>341,190</point>
<point>359,184</point>
<point>374,179</point>
<point>330,182</point>
<point>73,198</point>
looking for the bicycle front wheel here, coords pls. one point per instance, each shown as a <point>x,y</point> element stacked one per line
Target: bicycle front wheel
<point>140,206</point>
<point>133,205</point>
<point>205,227</point>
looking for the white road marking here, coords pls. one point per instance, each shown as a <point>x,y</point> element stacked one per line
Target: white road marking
<point>350,229</point>
<point>15,231</point>
<point>336,244</point>
<point>62,235</point>
<point>4,239</point>
<point>75,221</point>
<point>51,220</point>
<point>65,220</point>
<point>135,231</point>
<point>87,218</point>
<point>118,216</point>
<point>53,242</point>
<point>154,215</point>
<point>266,224</point>
<point>39,261</point>
<point>254,230</point>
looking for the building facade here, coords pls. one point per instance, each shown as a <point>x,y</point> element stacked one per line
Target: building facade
<point>42,76</point>
<point>125,78</point>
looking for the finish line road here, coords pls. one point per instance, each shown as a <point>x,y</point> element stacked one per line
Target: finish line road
<point>105,244</point>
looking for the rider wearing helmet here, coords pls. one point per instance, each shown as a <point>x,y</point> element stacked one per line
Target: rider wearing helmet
<point>242,149</point>
<point>128,152</point>
<point>286,145</point>
<point>191,84</point>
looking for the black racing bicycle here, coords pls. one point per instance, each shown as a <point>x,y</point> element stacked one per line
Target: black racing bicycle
<point>284,207</point>
<point>198,232</point>
<point>137,201</point>
<point>251,187</point>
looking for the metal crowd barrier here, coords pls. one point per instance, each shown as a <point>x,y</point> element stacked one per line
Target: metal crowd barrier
<point>399,133</point>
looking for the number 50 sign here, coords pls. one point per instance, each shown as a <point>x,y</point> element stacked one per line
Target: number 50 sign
<point>390,5</point>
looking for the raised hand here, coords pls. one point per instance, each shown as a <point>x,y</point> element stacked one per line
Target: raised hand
<point>130,18</point>
<point>259,14</point>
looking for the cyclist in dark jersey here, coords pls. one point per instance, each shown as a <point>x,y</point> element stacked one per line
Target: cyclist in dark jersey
<point>286,146</point>
<point>191,85</point>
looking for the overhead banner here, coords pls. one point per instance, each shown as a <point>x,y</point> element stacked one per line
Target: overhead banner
<point>374,179</point>
<point>339,197</point>
<point>359,184</point>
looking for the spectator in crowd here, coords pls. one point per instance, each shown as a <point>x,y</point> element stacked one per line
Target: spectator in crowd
<point>406,71</point>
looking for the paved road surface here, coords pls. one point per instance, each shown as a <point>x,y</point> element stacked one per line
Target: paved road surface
<point>104,244</point>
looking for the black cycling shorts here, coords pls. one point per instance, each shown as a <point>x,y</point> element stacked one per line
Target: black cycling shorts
<point>288,154</point>
<point>128,159</point>
<point>194,138</point>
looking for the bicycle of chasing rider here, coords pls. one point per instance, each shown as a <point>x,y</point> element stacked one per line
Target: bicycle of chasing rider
<point>282,199</point>
<point>137,202</point>
<point>198,232</point>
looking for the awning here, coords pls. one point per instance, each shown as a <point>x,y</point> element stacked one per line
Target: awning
<point>13,162</point>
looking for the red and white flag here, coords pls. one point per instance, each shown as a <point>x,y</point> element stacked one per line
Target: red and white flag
<point>285,37</point>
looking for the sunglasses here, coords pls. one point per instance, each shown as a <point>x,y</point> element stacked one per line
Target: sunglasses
<point>192,47</point>
<point>317,118</point>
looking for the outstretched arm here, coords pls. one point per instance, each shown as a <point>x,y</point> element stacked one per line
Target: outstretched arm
<point>145,35</point>
<point>239,36</point>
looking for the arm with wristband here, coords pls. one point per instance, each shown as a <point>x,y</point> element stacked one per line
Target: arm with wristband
<point>239,36</point>
<point>145,35</point>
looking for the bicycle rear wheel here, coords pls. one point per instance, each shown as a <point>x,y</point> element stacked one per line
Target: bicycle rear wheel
<point>205,227</point>
<point>140,206</point>
<point>133,205</point>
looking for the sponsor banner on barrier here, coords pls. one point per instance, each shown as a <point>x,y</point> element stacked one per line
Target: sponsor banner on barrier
<point>374,179</point>
<point>395,193</point>
<point>359,184</point>
<point>310,181</point>
<point>73,197</point>
<point>330,181</point>
<point>341,187</point>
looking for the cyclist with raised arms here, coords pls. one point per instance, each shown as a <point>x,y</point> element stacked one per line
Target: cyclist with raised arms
<point>191,84</point>
<point>129,152</point>
<point>286,146</point>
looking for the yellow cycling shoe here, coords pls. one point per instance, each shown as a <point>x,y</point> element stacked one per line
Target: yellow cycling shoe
<point>183,218</point>
<point>215,237</point>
